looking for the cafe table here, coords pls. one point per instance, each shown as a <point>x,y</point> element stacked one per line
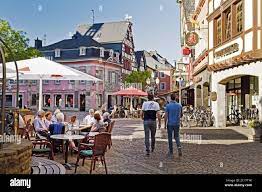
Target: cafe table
<point>67,138</point>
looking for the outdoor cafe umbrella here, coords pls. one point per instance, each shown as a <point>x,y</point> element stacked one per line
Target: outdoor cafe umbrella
<point>132,92</point>
<point>44,69</point>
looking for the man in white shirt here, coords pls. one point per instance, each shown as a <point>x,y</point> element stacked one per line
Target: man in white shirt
<point>150,112</point>
<point>89,119</point>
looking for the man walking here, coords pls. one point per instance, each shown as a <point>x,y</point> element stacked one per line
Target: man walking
<point>172,121</point>
<point>150,111</point>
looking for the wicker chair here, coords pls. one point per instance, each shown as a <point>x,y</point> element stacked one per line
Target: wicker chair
<point>109,130</point>
<point>94,153</point>
<point>42,147</point>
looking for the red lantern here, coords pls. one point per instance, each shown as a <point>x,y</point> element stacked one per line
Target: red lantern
<point>186,51</point>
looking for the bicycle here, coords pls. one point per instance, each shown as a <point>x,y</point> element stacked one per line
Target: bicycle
<point>235,117</point>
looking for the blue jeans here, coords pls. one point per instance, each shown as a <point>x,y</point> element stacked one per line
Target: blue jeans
<point>170,130</point>
<point>150,127</point>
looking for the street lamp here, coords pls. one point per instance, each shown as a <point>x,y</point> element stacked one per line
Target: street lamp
<point>153,87</point>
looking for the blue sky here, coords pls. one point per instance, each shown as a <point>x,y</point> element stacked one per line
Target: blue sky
<point>156,22</point>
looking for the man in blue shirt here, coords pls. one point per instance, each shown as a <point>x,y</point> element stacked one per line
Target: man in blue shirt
<point>172,121</point>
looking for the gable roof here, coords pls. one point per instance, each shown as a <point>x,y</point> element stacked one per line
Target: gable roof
<point>110,32</point>
<point>73,44</point>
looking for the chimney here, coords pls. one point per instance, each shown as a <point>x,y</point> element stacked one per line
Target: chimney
<point>38,43</point>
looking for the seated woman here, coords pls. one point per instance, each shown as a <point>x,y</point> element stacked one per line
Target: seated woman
<point>48,117</point>
<point>72,124</point>
<point>39,124</point>
<point>98,125</point>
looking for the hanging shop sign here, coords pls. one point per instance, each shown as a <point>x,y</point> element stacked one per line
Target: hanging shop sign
<point>186,51</point>
<point>192,38</point>
<point>213,96</point>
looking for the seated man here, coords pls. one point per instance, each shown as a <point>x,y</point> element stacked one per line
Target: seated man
<point>89,119</point>
<point>39,124</point>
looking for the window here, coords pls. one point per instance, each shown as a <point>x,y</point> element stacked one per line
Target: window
<point>218,31</point>
<point>46,82</point>
<point>72,82</point>
<point>99,74</point>
<point>9,100</point>
<point>22,82</point>
<point>162,86</point>
<point>98,100</point>
<point>82,51</point>
<point>162,74</point>
<point>91,32</point>
<point>82,82</point>
<point>113,77</point>
<point>239,16</point>
<point>57,53</point>
<point>69,101</point>
<point>57,82</point>
<point>47,100</point>
<point>33,82</point>
<point>117,57</point>
<point>228,22</point>
<point>12,82</point>
<point>34,99</point>
<point>111,53</point>
<point>109,77</point>
<point>102,52</point>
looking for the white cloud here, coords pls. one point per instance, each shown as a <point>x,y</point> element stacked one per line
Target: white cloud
<point>40,8</point>
<point>100,8</point>
<point>161,7</point>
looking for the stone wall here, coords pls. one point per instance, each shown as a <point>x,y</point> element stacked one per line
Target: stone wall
<point>16,158</point>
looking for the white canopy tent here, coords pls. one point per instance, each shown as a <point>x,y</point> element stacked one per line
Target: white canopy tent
<point>44,69</point>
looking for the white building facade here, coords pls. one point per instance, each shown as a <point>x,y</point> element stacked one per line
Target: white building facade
<point>201,76</point>
<point>235,56</point>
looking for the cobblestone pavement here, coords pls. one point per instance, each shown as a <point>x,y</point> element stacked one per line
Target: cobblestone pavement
<point>220,151</point>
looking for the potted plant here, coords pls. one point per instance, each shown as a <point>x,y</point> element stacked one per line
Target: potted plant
<point>256,127</point>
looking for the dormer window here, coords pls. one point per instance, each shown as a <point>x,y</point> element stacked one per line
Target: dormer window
<point>111,53</point>
<point>57,52</point>
<point>102,52</point>
<point>82,51</point>
<point>117,57</point>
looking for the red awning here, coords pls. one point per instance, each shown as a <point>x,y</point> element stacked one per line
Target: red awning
<point>130,92</point>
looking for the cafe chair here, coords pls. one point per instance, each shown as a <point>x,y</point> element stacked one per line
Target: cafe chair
<point>94,153</point>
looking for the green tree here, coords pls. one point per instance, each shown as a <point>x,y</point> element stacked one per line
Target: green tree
<point>17,42</point>
<point>138,77</point>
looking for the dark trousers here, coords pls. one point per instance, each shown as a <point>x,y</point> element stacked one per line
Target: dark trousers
<point>150,127</point>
